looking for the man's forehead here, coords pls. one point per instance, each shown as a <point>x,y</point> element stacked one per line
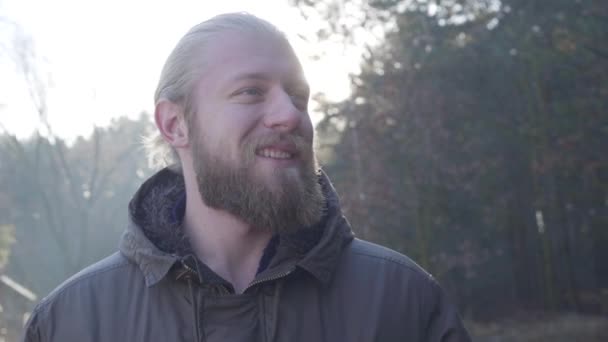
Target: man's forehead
<point>275,72</point>
<point>240,55</point>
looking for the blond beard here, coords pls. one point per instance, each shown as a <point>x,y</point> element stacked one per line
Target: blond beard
<point>293,202</point>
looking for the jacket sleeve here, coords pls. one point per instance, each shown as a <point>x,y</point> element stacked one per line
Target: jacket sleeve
<point>32,332</point>
<point>443,322</point>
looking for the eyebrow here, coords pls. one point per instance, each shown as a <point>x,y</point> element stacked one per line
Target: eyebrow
<point>261,76</point>
<point>250,76</point>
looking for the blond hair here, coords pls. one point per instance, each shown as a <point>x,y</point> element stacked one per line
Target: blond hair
<point>186,64</point>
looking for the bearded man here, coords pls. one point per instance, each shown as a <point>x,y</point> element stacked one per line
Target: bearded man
<point>242,239</point>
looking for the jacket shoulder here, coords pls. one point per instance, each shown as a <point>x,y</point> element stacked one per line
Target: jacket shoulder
<point>379,256</point>
<point>83,301</point>
<point>105,268</point>
<point>392,286</point>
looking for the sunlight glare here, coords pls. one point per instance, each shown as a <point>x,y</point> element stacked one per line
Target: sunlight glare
<point>104,58</point>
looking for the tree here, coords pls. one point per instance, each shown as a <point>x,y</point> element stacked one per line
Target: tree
<point>64,199</point>
<point>69,213</point>
<point>473,142</point>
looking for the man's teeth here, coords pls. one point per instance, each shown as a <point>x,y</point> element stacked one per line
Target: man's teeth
<point>275,154</point>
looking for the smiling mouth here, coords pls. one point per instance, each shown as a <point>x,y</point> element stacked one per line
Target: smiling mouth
<point>274,153</point>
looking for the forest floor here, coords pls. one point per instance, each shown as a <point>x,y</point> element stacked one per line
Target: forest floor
<point>569,327</point>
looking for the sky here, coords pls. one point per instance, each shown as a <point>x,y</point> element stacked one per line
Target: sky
<point>102,59</point>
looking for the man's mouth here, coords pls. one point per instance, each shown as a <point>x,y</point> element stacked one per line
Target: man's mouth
<point>274,153</point>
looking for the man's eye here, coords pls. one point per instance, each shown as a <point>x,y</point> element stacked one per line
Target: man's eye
<point>251,92</point>
<point>299,99</point>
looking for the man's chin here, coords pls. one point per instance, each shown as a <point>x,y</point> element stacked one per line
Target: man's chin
<point>277,168</point>
<point>278,180</point>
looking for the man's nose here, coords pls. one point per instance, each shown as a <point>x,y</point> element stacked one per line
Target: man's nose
<point>283,114</point>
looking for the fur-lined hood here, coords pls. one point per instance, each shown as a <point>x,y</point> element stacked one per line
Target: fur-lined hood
<point>155,238</point>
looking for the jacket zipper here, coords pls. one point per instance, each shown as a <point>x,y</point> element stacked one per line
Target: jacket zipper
<point>275,277</point>
<point>188,271</point>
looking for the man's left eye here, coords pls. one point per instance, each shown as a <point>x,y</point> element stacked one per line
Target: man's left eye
<point>299,99</point>
<point>252,92</point>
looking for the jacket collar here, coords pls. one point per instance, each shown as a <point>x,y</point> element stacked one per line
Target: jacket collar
<point>155,241</point>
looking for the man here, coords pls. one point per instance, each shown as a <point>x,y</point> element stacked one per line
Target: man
<point>243,239</point>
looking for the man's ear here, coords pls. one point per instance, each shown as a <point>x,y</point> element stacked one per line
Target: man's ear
<point>169,118</point>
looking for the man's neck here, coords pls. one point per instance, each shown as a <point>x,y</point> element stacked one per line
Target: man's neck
<point>226,244</point>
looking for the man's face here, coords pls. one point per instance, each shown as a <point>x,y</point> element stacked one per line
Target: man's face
<point>252,136</point>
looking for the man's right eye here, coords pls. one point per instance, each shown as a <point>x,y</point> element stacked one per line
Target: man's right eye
<point>251,92</point>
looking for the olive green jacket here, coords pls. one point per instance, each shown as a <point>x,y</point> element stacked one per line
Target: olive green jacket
<point>319,284</point>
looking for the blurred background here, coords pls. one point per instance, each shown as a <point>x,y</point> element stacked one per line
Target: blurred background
<point>471,135</point>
